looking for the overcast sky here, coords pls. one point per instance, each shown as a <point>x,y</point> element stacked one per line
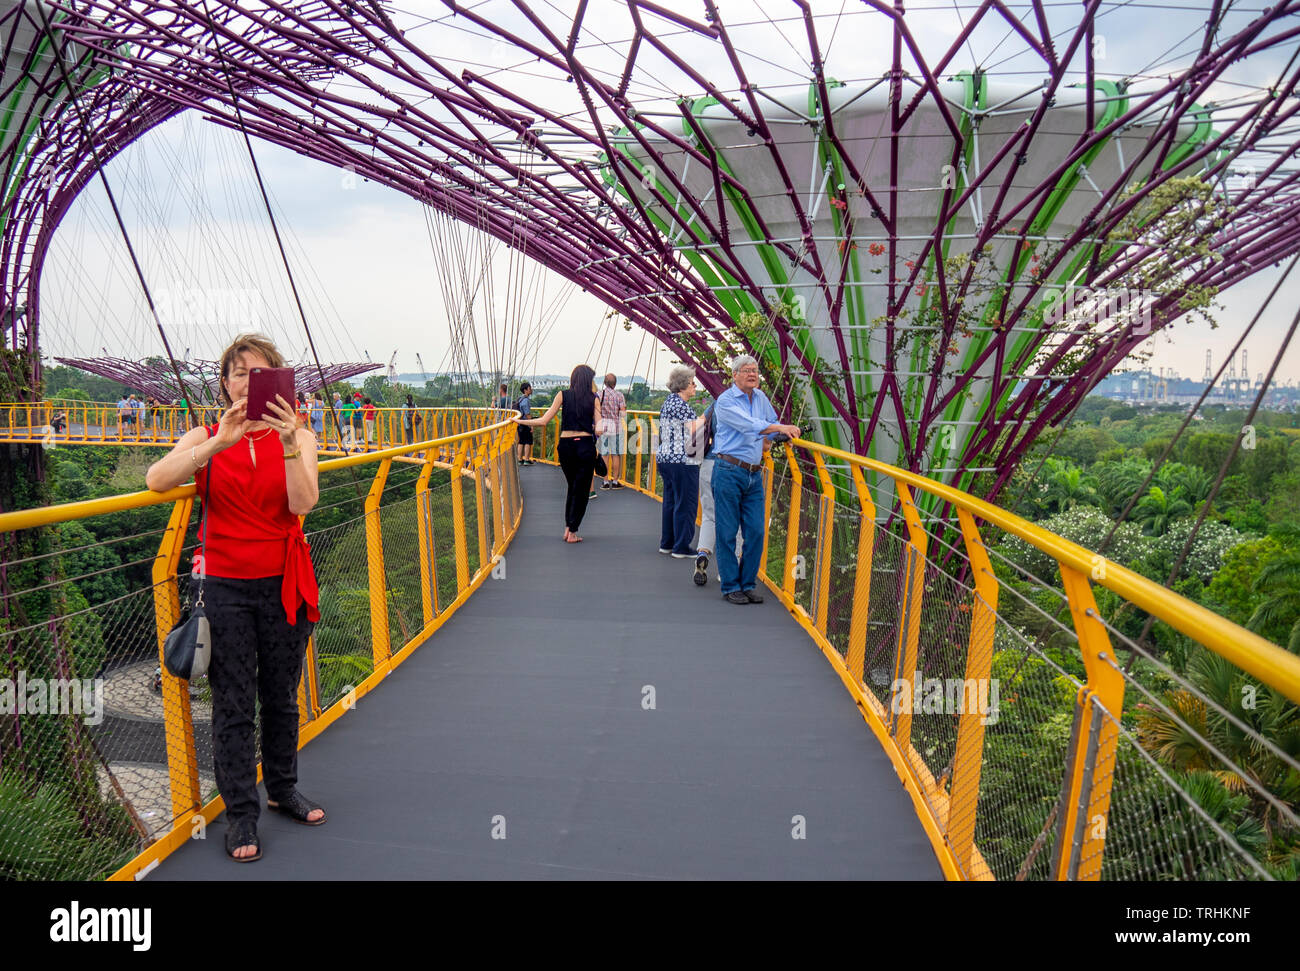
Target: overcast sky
<point>375,279</point>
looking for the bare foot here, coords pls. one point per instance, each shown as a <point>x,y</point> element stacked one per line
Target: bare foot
<point>573,538</point>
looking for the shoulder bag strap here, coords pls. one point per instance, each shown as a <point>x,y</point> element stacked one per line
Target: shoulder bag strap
<point>203,527</point>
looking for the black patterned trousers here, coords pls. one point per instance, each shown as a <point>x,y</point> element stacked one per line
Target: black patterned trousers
<point>257,656</point>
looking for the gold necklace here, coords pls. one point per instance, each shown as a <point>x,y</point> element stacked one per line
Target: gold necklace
<point>252,449</point>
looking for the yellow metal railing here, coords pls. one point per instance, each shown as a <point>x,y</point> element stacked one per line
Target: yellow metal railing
<point>878,598</point>
<point>1051,785</point>
<point>395,573</point>
<point>61,422</point>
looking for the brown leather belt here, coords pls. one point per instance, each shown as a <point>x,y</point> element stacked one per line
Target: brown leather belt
<point>748,466</point>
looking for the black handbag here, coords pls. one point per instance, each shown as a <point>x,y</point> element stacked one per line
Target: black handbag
<point>187,650</point>
<point>600,468</point>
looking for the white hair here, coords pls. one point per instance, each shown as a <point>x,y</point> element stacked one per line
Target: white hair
<point>740,361</point>
<point>679,377</point>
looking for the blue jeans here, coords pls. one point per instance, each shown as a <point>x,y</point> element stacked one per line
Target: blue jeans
<point>737,505</point>
<point>681,496</point>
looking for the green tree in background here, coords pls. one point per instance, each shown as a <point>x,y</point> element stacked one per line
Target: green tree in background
<point>1157,509</point>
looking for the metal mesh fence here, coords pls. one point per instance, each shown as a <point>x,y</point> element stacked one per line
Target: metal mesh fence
<point>1189,782</point>
<point>84,779</point>
<point>888,581</point>
<point>842,589</point>
<point>100,752</point>
<point>1024,757</point>
<point>1155,830</point>
<point>939,694</point>
<point>804,564</point>
<point>401,540</point>
<point>1017,738</point>
<point>778,525</point>
<point>343,638</point>
<point>443,537</point>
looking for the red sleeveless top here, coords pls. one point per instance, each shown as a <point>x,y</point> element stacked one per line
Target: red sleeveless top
<point>250,532</point>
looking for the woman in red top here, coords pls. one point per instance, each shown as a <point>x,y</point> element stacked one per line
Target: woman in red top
<point>260,590</point>
<point>368,413</point>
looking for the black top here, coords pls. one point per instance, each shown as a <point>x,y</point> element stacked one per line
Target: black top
<point>574,417</point>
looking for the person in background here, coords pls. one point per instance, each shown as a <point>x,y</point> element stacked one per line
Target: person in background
<point>357,404</point>
<point>260,592</point>
<point>337,406</point>
<point>368,414</point>
<point>679,470</point>
<point>576,449</point>
<point>708,529</point>
<point>613,433</point>
<point>409,421</point>
<point>316,410</point>
<point>124,414</point>
<point>347,412</point>
<point>524,406</point>
<point>503,396</point>
<point>129,414</point>
<point>745,418</point>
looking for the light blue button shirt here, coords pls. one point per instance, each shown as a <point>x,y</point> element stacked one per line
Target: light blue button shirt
<point>741,420</point>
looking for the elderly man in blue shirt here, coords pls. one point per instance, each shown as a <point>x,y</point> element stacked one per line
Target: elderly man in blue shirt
<point>745,418</point>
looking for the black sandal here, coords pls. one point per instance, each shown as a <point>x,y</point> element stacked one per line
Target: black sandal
<point>241,833</point>
<point>297,807</point>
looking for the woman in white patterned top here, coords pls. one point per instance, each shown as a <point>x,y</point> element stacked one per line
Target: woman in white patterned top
<point>679,469</point>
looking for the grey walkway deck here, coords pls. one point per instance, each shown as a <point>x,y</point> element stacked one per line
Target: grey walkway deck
<point>524,715</point>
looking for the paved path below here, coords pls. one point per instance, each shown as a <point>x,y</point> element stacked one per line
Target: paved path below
<point>517,743</point>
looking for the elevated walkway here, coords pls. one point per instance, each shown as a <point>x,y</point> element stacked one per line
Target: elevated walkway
<point>585,710</point>
<point>526,714</point>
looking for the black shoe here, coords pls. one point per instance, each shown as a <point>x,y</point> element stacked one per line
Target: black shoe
<point>752,597</point>
<point>684,556</point>
<point>606,485</point>
<point>735,597</point>
<point>701,569</point>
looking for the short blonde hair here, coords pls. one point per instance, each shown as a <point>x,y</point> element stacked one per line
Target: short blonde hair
<point>246,344</point>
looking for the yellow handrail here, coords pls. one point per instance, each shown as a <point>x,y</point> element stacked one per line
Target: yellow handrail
<point>947,801</point>
<point>480,448</point>
<point>98,423</point>
<point>63,512</point>
<point>1247,650</point>
<point>948,809</point>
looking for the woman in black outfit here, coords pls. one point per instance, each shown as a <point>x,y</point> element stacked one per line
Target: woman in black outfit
<point>579,412</point>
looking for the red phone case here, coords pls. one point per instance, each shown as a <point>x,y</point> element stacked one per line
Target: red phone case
<point>264,383</point>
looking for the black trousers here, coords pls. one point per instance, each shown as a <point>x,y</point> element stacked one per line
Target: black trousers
<point>257,656</point>
<point>578,461</point>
